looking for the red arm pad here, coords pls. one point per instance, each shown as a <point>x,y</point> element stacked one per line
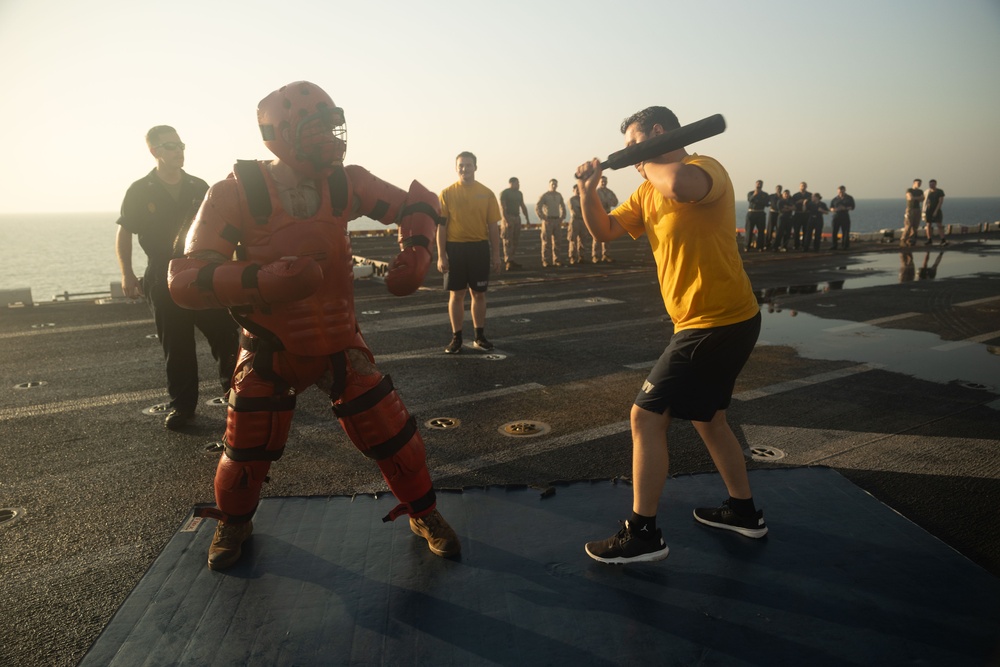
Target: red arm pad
<point>420,216</point>
<point>417,226</point>
<point>199,284</point>
<point>375,198</point>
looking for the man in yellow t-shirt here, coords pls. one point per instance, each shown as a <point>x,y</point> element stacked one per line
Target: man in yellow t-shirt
<point>686,209</point>
<point>468,248</point>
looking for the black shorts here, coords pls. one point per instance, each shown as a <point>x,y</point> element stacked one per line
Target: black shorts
<point>695,375</point>
<point>468,266</point>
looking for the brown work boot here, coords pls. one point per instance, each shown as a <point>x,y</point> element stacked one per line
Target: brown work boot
<point>227,545</point>
<point>441,538</point>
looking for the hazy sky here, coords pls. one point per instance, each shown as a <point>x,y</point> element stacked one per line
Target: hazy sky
<point>869,93</point>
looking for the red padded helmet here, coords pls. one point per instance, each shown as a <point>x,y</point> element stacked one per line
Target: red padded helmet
<point>302,126</point>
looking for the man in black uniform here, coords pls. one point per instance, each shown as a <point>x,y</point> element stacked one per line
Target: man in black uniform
<point>786,208</point>
<point>774,210</point>
<point>756,217</point>
<point>800,218</point>
<point>815,210</point>
<point>159,208</point>
<point>842,205</point>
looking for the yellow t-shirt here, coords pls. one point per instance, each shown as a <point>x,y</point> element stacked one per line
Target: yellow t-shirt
<point>694,244</point>
<point>469,209</point>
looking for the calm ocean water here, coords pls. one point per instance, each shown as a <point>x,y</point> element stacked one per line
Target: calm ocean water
<point>75,252</point>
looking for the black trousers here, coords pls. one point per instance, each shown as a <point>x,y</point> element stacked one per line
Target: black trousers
<point>799,222</point>
<point>756,221</point>
<point>772,228</point>
<point>842,225</point>
<point>175,327</point>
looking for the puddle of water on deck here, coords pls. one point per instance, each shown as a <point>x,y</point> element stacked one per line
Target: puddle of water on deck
<point>912,265</point>
<point>919,354</point>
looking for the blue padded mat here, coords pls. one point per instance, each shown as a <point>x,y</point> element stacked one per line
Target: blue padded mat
<point>840,580</point>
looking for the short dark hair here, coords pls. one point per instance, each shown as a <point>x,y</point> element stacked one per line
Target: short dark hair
<point>649,117</point>
<point>155,132</point>
<point>468,155</point>
<point>512,180</point>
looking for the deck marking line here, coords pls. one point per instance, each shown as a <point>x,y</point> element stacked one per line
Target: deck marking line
<point>96,402</point>
<point>509,455</point>
<point>63,330</point>
<point>875,322</point>
<point>977,302</point>
<point>955,344</point>
<point>793,385</point>
<point>440,318</point>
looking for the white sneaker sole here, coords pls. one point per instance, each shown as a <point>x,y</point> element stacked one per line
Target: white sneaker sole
<point>650,557</point>
<point>755,533</point>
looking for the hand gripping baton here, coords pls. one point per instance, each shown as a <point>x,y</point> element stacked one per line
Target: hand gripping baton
<point>664,143</point>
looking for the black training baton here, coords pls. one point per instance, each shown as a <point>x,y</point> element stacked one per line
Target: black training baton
<point>664,143</point>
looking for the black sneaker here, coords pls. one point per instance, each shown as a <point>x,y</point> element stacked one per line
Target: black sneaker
<point>482,344</point>
<point>724,517</point>
<point>626,547</point>
<point>454,347</point>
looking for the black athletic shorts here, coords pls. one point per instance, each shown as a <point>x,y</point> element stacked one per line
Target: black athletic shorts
<point>695,375</point>
<point>468,266</point>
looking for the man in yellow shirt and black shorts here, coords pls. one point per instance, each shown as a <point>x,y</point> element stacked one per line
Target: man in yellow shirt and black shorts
<point>468,245</point>
<point>686,209</point>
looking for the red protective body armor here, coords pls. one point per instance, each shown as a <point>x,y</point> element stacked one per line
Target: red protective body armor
<point>301,338</point>
<point>323,323</point>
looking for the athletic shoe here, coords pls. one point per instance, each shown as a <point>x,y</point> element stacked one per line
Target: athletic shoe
<point>724,517</point>
<point>627,547</point>
<point>455,346</point>
<point>608,260</point>
<point>482,344</point>
<point>227,545</point>
<point>441,538</point>
<point>944,242</point>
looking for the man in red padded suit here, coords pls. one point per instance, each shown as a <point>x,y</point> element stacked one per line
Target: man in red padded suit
<point>270,243</point>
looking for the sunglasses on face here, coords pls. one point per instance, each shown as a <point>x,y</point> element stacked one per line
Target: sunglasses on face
<point>172,145</point>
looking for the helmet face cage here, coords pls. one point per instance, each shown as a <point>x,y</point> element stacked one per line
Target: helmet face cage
<point>321,137</point>
<point>302,126</point>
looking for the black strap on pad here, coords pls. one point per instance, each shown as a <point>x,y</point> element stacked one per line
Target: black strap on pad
<point>258,198</point>
<point>337,182</point>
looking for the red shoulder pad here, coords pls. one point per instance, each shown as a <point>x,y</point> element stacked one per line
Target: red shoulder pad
<point>218,225</point>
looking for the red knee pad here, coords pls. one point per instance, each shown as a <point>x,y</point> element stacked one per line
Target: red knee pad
<point>256,432</point>
<point>237,487</point>
<point>379,425</point>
